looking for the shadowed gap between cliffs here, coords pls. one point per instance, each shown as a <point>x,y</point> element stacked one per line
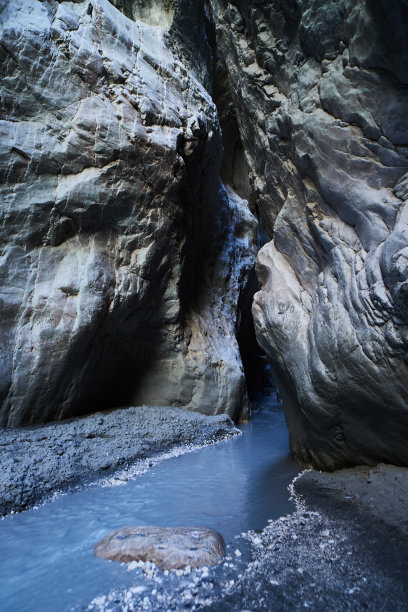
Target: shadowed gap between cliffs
<point>235,173</point>
<point>107,363</point>
<point>202,235</point>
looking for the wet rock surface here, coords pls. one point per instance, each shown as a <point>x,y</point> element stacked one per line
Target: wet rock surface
<point>122,255</point>
<point>170,548</point>
<point>319,91</point>
<point>38,461</point>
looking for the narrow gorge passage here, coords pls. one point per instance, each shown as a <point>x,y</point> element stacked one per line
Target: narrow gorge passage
<point>192,191</point>
<point>232,486</point>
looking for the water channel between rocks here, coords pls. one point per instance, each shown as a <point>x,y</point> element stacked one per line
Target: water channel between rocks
<point>47,560</point>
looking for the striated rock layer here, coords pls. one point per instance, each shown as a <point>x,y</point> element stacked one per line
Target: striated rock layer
<point>122,256</point>
<point>320,91</point>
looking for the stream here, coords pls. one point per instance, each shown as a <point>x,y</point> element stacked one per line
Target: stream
<point>47,561</point>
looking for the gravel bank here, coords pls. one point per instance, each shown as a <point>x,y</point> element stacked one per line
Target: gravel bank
<point>344,548</point>
<point>374,495</point>
<point>37,461</point>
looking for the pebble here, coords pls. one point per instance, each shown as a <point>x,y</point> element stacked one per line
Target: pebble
<point>137,589</point>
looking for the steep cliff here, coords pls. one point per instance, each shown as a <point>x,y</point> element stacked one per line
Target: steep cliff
<point>320,90</point>
<point>124,260</point>
<point>122,255</point>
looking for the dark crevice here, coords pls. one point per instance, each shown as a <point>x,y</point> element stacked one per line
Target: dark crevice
<point>199,200</point>
<point>253,357</point>
<point>234,168</point>
<point>235,173</point>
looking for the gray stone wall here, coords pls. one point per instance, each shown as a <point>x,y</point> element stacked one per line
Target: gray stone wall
<point>320,90</point>
<point>122,256</point>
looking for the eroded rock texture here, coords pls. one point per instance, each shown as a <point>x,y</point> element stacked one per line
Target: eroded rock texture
<point>122,256</point>
<point>320,90</point>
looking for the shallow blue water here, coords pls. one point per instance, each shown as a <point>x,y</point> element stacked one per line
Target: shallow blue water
<point>46,554</point>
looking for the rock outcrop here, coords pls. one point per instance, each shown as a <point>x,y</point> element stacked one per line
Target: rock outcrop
<point>170,548</point>
<point>122,255</point>
<point>320,91</point>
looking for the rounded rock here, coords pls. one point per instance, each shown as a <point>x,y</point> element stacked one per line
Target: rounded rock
<point>169,548</point>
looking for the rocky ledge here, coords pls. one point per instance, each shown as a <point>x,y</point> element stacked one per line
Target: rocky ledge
<point>37,461</point>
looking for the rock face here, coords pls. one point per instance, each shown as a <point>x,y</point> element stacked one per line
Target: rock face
<point>168,547</point>
<point>122,256</point>
<point>320,91</point>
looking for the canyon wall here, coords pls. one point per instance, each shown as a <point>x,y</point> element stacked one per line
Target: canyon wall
<point>320,90</point>
<point>122,256</point>
<point>125,263</point>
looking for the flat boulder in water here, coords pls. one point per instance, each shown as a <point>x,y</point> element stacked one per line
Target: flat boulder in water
<point>168,547</point>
